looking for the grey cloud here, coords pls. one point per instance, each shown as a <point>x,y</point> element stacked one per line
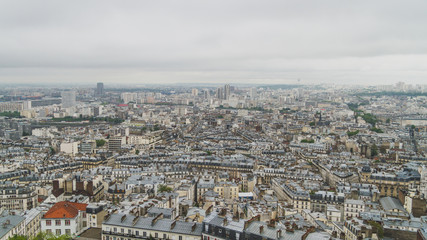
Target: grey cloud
<point>221,40</point>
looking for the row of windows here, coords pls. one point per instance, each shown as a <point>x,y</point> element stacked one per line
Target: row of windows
<point>156,235</point>
<point>59,232</point>
<point>353,210</point>
<point>57,222</point>
<point>354,206</point>
<point>351,215</point>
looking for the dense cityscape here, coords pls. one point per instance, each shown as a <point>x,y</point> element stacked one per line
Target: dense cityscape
<point>214,162</point>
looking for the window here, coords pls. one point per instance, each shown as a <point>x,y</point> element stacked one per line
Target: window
<point>57,222</point>
<point>48,222</point>
<point>137,233</point>
<point>164,235</point>
<point>122,230</point>
<point>67,222</point>
<point>180,237</point>
<point>129,231</point>
<point>68,231</point>
<point>58,231</point>
<point>49,230</point>
<point>115,229</point>
<point>144,234</point>
<point>156,235</point>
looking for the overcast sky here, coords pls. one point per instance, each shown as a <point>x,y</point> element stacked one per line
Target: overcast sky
<point>241,41</point>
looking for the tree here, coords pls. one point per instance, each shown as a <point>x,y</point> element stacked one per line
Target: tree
<point>164,188</point>
<point>14,114</point>
<point>100,142</point>
<point>41,236</point>
<point>18,237</point>
<point>378,227</point>
<point>377,130</point>
<point>383,149</point>
<point>369,118</point>
<point>374,150</point>
<point>350,134</point>
<point>52,151</point>
<point>387,121</point>
<point>60,237</point>
<point>137,152</point>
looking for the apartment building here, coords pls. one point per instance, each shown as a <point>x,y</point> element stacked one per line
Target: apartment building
<point>131,227</point>
<point>65,218</point>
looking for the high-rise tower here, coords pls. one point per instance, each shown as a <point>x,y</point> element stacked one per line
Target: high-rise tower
<point>68,99</point>
<point>99,89</point>
<point>227,91</point>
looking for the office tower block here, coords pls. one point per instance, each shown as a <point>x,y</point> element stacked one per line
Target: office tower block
<point>99,89</point>
<point>226,92</point>
<point>68,99</point>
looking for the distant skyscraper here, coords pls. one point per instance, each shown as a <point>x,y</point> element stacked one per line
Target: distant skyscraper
<point>129,97</point>
<point>68,99</point>
<point>194,92</point>
<point>27,105</point>
<point>227,91</point>
<point>206,94</point>
<point>253,93</point>
<point>99,89</point>
<point>220,93</point>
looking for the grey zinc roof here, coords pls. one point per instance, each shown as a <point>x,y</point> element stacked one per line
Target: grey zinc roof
<point>14,220</point>
<point>163,225</point>
<point>403,223</point>
<point>389,203</point>
<point>271,233</point>
<point>216,220</point>
<point>157,210</point>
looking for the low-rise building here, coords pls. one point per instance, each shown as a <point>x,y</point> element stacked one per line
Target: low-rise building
<point>11,225</point>
<point>352,208</point>
<point>355,229</point>
<point>17,197</point>
<point>32,222</point>
<point>65,218</point>
<point>133,227</point>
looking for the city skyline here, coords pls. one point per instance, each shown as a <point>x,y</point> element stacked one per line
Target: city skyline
<point>202,120</point>
<point>183,162</point>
